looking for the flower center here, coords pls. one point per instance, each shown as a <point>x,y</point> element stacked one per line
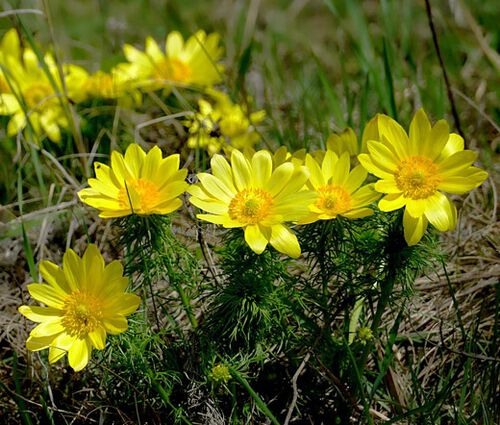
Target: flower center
<point>250,206</point>
<point>139,195</point>
<point>333,200</point>
<point>82,313</point>
<point>172,70</point>
<point>39,95</point>
<point>417,177</point>
<point>100,85</point>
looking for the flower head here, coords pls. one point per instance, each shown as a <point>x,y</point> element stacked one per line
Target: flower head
<point>116,84</point>
<point>220,374</point>
<point>221,124</point>
<point>85,300</point>
<point>415,170</point>
<point>137,183</point>
<point>348,142</point>
<point>249,193</point>
<point>339,189</point>
<point>193,62</point>
<point>33,93</point>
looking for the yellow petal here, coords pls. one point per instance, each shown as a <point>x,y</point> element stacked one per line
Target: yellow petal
<point>262,165</point>
<point>255,239</point>
<point>437,139</point>
<point>212,206</point>
<point>215,187</point>
<point>387,186</point>
<point>392,202</point>
<point>356,178</point>
<point>174,44</point>
<point>40,314</point>
<point>74,270</point>
<point>367,163</point>
<point>47,295</point>
<point>414,228</point>
<point>122,304</point>
<point>115,325</point>
<point>439,212</point>
<point>457,162</point>
<point>284,241</point>
<point>420,128</point>
<point>54,276</point>
<point>152,50</point>
<point>222,170</point>
<point>416,207</point>
<point>8,104</point>
<point>297,182</point>
<point>358,213</point>
<point>134,159</point>
<point>79,354</point>
<point>455,144</point>
<point>152,163</point>
<point>241,170</point>
<point>47,328</point>
<point>39,343</point>
<point>468,180</point>
<point>98,338</point>
<point>370,132</point>
<point>394,134</point>
<point>55,354</point>
<point>280,177</point>
<point>316,175</point>
<point>341,170</point>
<point>223,220</point>
<point>382,156</point>
<point>328,166</point>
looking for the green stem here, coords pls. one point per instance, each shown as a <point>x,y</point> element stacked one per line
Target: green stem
<point>184,298</point>
<point>261,405</point>
<point>386,290</point>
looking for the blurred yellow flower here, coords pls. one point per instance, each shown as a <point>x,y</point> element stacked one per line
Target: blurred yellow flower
<point>190,63</point>
<point>115,84</point>
<point>415,170</point>
<point>248,193</point>
<point>85,300</point>
<point>138,183</point>
<point>348,142</point>
<point>339,189</point>
<point>32,93</point>
<point>223,125</point>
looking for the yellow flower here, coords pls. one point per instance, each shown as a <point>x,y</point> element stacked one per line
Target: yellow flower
<point>339,189</point>
<point>85,300</point>
<point>250,194</point>
<point>136,184</point>
<point>193,62</point>
<point>348,142</point>
<point>220,373</point>
<point>221,124</point>
<point>282,155</point>
<point>31,94</point>
<point>415,170</point>
<point>115,84</point>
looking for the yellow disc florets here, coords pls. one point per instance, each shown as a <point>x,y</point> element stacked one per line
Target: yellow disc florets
<point>141,193</point>
<point>172,70</point>
<point>82,313</point>
<point>333,200</point>
<point>417,177</point>
<point>250,206</point>
<point>38,94</point>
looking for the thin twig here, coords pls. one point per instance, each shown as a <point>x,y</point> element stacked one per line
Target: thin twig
<point>295,388</point>
<point>441,64</point>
